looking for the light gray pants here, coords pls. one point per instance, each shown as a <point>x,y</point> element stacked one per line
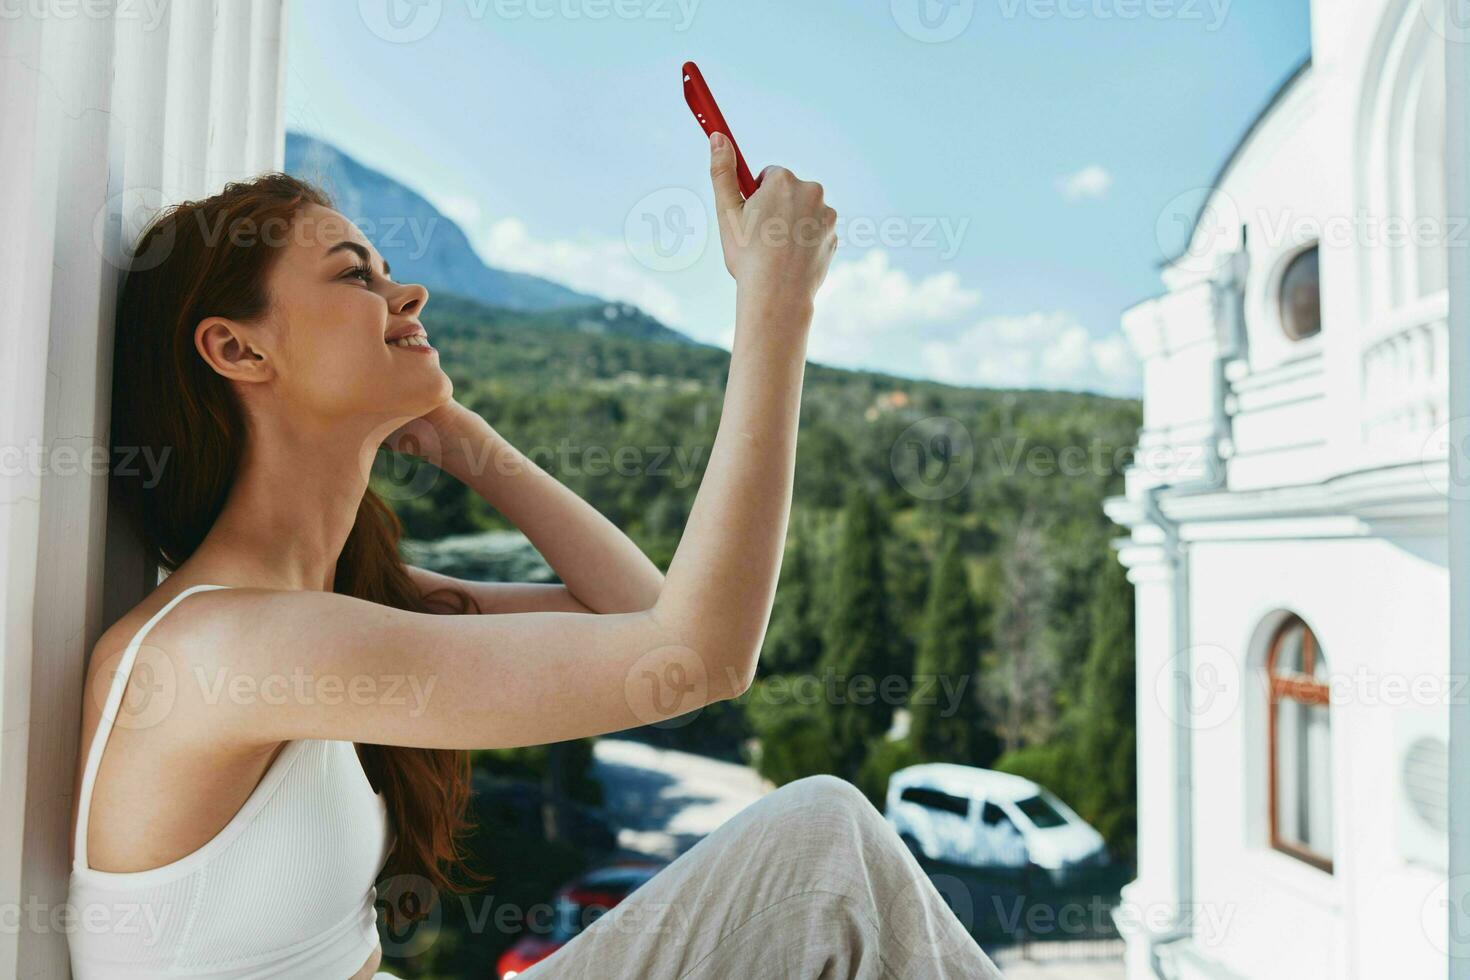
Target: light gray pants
<point>807,883</point>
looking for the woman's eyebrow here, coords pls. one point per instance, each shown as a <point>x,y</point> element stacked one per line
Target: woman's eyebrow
<point>362,253</point>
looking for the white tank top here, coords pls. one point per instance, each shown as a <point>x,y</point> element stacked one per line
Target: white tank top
<point>284,890</point>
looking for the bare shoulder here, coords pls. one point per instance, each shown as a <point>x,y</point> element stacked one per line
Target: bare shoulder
<point>212,650</point>
<point>191,618</point>
<point>154,714</point>
<point>113,643</point>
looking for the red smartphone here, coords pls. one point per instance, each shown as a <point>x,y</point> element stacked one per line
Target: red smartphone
<point>710,119</point>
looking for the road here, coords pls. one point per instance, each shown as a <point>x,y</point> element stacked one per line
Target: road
<point>664,801</point>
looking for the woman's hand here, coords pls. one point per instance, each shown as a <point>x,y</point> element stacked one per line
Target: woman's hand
<point>437,434</point>
<point>782,238</point>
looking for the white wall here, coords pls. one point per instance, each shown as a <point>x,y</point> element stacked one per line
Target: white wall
<point>1380,610</point>
<point>109,111</point>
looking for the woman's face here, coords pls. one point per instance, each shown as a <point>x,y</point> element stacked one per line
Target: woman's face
<point>323,348</point>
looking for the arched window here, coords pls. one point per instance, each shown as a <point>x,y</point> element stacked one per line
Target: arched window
<point>1300,746</point>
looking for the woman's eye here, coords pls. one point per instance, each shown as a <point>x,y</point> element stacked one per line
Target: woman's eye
<point>359,272</point>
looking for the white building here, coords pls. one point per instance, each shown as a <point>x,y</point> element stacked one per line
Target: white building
<point>1289,548</point>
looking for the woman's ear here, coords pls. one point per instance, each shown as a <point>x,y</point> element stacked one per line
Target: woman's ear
<point>232,350</point>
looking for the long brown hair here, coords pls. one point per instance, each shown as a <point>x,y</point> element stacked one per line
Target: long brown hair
<point>170,407</point>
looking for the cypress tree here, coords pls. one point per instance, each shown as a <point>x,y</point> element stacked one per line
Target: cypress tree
<point>794,639</point>
<point>943,723</point>
<point>859,648</point>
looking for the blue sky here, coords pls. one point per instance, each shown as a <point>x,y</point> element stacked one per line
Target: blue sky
<point>1001,168</point>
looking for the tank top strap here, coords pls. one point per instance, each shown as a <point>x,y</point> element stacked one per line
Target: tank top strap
<point>105,723</point>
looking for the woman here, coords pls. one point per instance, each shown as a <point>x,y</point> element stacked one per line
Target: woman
<point>285,720</point>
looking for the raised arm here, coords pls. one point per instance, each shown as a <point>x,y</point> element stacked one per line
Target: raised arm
<point>539,677</point>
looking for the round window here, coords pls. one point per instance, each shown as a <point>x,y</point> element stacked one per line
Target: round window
<point>1301,304</point>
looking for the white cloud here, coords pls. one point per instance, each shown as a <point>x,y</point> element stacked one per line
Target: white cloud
<point>867,304</point>
<point>868,313</point>
<point>463,210</point>
<point>1091,181</point>
<point>1115,358</point>
<point>600,266</point>
<point>1033,350</point>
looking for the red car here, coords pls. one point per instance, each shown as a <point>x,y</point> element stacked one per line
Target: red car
<point>577,905</point>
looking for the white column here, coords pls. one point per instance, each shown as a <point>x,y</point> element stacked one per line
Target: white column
<point>1154,898</point>
<point>107,109</point>
<point>1457,201</point>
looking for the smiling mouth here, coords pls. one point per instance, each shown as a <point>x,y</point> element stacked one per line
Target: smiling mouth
<point>416,342</point>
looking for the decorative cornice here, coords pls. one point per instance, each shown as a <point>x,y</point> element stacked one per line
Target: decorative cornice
<point>1406,498</point>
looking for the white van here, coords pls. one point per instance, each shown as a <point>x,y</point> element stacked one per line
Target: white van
<point>983,818</point>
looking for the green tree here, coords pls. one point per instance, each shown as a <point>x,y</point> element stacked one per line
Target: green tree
<point>1077,551</point>
<point>859,650</point>
<point>823,466</point>
<point>1022,672</point>
<point>908,563</point>
<point>794,639</point>
<point>947,668</point>
<point>1107,708</point>
<point>794,740</point>
<point>884,758</point>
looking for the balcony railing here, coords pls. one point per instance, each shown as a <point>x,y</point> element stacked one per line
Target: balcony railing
<point>1405,376</point>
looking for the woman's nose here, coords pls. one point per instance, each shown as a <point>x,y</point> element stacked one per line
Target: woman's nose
<point>410,298</point>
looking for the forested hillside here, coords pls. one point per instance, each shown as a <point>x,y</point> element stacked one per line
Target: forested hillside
<point>940,533</point>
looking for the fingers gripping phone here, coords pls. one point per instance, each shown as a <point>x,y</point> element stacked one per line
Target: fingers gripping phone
<point>711,120</point>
